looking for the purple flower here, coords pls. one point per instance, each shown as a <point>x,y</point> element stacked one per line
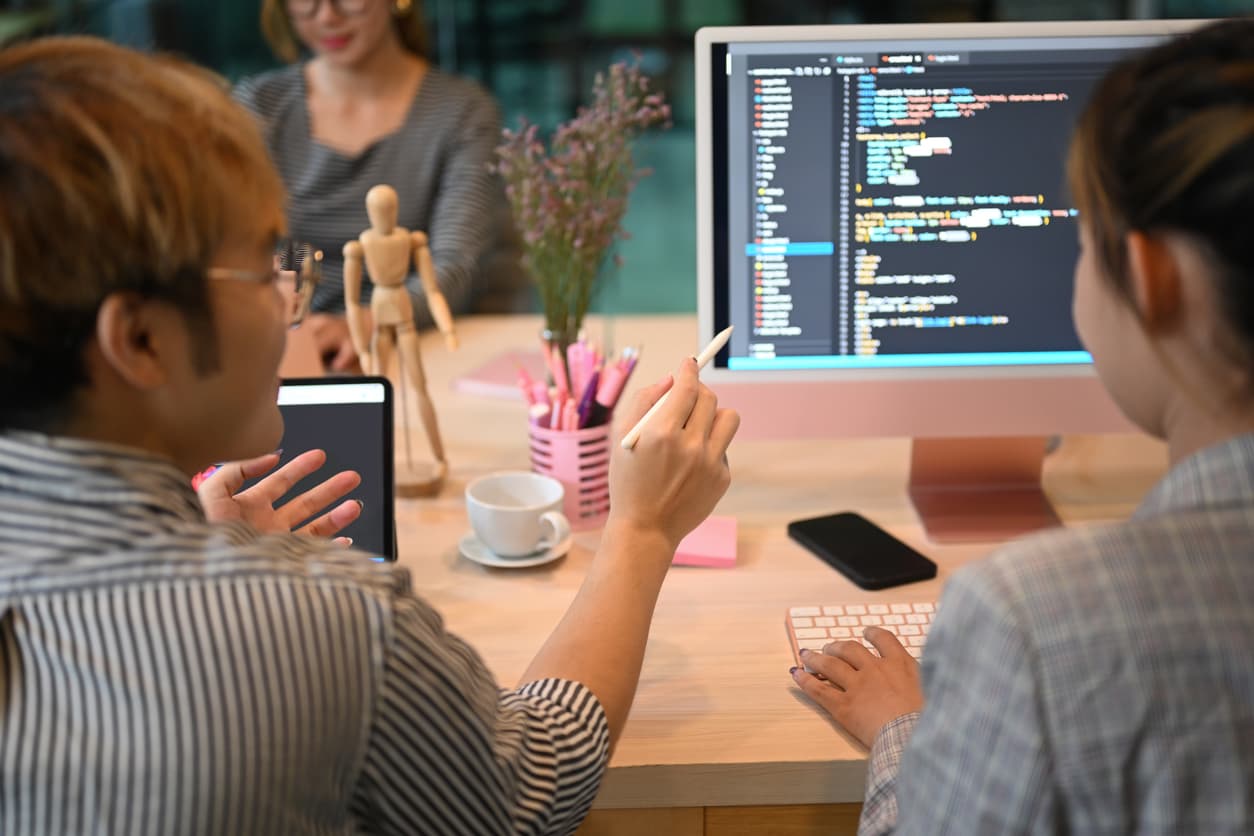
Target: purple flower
<point>569,198</point>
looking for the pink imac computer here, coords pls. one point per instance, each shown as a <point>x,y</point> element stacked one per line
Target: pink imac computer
<point>882,215</point>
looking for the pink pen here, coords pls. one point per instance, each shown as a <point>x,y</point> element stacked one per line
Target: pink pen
<point>610,376</point>
<point>557,368</point>
<point>608,392</point>
<point>559,404</point>
<point>574,363</point>
<point>591,362</point>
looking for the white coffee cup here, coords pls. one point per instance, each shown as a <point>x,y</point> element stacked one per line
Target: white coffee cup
<point>516,513</point>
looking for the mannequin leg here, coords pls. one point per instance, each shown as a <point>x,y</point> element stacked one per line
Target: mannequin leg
<point>411,357</point>
<point>381,350</point>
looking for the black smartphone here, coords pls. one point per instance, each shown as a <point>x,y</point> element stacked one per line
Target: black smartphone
<point>861,550</point>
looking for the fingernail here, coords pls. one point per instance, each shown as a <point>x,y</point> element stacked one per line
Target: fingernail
<point>360,505</point>
<point>804,651</point>
<point>348,541</point>
<point>793,670</point>
<point>279,452</point>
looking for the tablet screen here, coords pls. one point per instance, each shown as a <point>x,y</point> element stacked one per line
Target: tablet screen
<point>351,419</point>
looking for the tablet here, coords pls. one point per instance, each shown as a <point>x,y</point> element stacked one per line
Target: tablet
<point>351,419</point>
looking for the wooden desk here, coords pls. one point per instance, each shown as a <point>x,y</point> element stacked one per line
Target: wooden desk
<point>717,724</point>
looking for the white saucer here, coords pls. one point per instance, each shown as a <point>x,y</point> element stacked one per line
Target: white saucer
<point>472,549</point>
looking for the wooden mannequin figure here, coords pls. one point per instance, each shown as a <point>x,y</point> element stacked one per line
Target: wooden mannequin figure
<point>387,251</point>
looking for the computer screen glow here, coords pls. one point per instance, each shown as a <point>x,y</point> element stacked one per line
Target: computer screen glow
<point>900,201</point>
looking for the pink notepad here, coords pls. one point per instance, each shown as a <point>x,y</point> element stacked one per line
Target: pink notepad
<point>713,544</point>
<point>498,377</point>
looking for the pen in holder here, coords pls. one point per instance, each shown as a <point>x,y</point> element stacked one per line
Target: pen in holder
<point>580,460</point>
<point>569,424</point>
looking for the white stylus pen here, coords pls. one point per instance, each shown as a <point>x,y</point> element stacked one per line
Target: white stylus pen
<point>706,355</point>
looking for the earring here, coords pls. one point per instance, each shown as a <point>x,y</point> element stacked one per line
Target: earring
<point>400,8</point>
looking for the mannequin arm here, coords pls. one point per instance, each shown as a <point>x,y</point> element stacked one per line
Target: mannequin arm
<point>358,328</point>
<point>435,299</point>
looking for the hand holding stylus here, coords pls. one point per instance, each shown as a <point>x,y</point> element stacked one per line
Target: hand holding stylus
<point>706,355</point>
<point>678,471</point>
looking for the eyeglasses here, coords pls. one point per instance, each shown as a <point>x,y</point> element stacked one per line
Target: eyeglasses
<point>296,273</point>
<point>309,8</point>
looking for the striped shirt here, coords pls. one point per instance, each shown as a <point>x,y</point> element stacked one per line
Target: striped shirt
<point>438,163</point>
<point>162,675</point>
<point>1096,681</point>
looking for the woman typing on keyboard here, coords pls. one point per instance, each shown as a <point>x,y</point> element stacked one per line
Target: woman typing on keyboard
<point>1102,680</point>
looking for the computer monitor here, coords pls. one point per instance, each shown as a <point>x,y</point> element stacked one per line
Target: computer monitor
<point>882,215</point>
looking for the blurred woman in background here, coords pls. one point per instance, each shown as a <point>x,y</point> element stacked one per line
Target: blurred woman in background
<point>368,107</point>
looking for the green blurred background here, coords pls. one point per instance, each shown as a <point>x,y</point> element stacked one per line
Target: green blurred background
<point>538,57</point>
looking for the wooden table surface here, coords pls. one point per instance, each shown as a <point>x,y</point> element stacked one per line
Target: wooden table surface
<point>717,720</point>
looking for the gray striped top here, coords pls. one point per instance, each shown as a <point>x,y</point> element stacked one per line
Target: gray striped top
<point>161,675</point>
<point>437,162</point>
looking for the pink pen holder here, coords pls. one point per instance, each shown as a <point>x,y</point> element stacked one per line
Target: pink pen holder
<point>580,460</point>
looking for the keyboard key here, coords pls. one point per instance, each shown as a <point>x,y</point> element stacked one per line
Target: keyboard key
<point>878,609</point>
<point>803,611</point>
<point>834,610</point>
<point>905,630</point>
<point>924,607</point>
<point>917,618</point>
<point>855,609</point>
<point>902,608</point>
<point>841,633</point>
<point>848,621</point>
<point>824,621</point>
<point>891,619</point>
<point>802,622</point>
<point>872,621</point>
<point>810,633</point>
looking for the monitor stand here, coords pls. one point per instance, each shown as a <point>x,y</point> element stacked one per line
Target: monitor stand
<point>979,489</point>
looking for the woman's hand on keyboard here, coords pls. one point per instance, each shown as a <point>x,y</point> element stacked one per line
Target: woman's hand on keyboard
<point>863,692</point>
<point>678,470</point>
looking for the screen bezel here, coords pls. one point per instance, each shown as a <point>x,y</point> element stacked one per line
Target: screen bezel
<point>389,456</point>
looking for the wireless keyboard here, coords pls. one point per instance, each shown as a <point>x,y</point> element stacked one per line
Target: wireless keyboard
<point>813,627</point>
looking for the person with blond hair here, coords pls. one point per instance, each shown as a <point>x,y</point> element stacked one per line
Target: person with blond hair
<point>360,105</point>
<point>1101,680</point>
<point>162,672</point>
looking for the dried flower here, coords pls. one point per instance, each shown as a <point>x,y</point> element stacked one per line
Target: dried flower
<point>569,199</point>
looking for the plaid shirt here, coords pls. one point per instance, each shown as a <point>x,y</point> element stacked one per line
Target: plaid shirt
<point>1092,681</point>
